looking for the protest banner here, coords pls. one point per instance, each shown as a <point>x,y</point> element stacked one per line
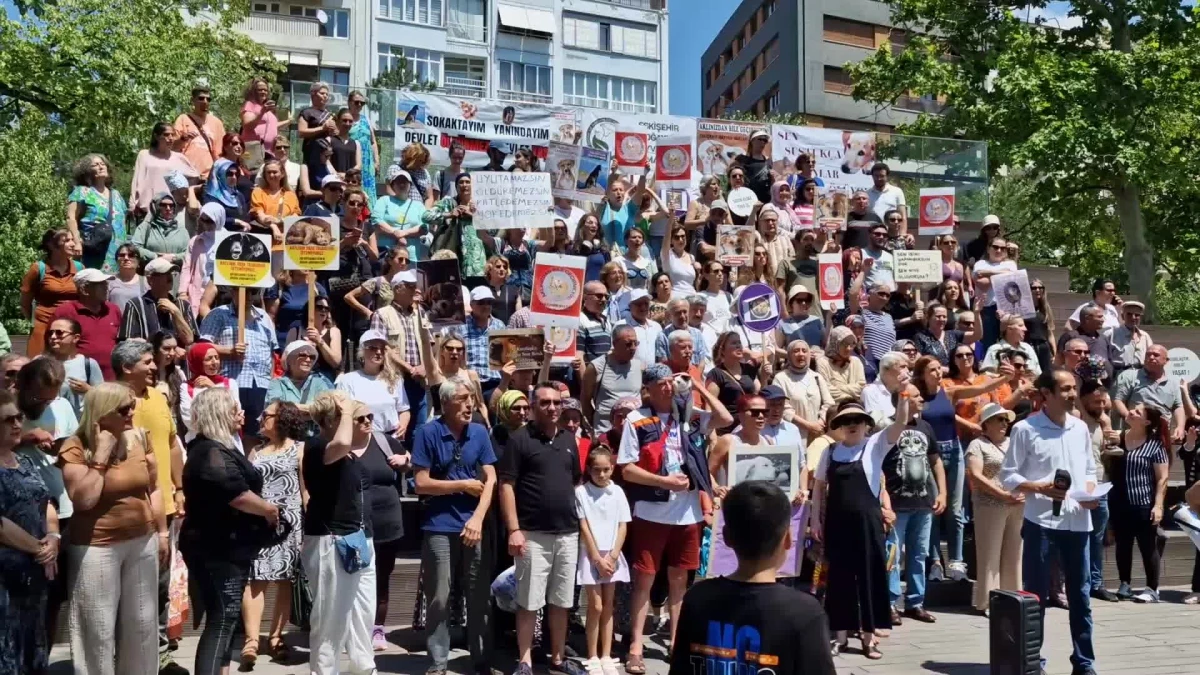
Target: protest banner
<point>673,162</point>
<point>830,280</point>
<point>632,148</point>
<point>562,161</point>
<point>723,561</point>
<point>591,180</point>
<point>311,243</point>
<point>833,210</point>
<point>506,200</point>
<point>936,211</point>
<point>440,283</point>
<point>841,159</point>
<point>735,244</point>
<point>524,347</point>
<point>758,308</point>
<point>918,267</point>
<point>1012,293</point>
<point>563,340</point>
<point>436,121</point>
<point>1182,364</point>
<point>557,294</point>
<point>720,142</point>
<point>600,131</point>
<point>676,200</point>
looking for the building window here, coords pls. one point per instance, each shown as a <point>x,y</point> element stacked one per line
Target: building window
<point>337,24</point>
<point>606,37</point>
<point>524,82</point>
<point>266,7</point>
<point>773,99</point>
<point>837,81</point>
<point>336,77</point>
<point>591,90</point>
<point>466,20</point>
<point>772,51</point>
<point>306,12</point>
<point>427,12</point>
<point>844,31</point>
<point>425,65</point>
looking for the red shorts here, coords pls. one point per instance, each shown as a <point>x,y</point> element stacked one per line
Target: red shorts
<point>652,545</point>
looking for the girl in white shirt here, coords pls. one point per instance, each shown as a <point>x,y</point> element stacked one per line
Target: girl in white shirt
<point>679,264</point>
<point>603,517</point>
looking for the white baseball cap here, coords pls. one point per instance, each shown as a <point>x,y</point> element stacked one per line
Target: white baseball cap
<point>404,277</point>
<point>481,293</point>
<point>297,346</point>
<point>331,179</point>
<point>159,266</point>
<point>372,336</point>
<point>638,294</point>
<point>90,275</point>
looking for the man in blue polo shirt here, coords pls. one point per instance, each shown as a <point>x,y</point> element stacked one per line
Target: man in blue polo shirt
<point>454,464</point>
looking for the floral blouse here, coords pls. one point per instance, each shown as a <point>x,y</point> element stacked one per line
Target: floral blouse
<point>95,211</point>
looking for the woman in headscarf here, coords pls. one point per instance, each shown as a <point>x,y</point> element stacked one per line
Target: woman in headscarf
<point>512,411</point>
<point>162,234</point>
<point>809,398</point>
<point>781,199</point>
<point>840,367</point>
<point>198,263</point>
<point>221,188</point>
<point>204,370</point>
<point>459,211</point>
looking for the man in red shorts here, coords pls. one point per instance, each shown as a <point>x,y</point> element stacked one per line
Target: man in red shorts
<point>665,469</point>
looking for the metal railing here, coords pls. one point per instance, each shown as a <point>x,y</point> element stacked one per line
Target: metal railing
<point>279,24</point>
<point>523,96</point>
<point>466,32</point>
<point>464,86</point>
<point>606,104</point>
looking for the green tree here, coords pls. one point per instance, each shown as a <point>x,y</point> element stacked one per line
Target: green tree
<point>401,77</point>
<point>80,76</point>
<point>1099,112</point>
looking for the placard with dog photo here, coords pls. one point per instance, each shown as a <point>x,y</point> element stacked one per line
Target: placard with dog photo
<point>778,464</point>
<point>591,179</point>
<point>1012,294</point>
<point>243,259</point>
<point>440,283</point>
<point>720,142</point>
<point>562,161</point>
<point>735,244</point>
<point>310,243</point>
<point>524,347</point>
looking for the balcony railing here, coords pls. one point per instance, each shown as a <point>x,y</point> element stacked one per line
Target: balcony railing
<point>464,86</point>
<point>920,105</point>
<point>589,102</point>
<point>278,24</point>
<point>638,4</point>
<point>523,96</point>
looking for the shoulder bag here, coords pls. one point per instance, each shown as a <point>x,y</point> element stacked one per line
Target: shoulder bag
<point>354,549</point>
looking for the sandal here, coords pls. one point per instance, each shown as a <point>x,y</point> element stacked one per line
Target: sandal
<point>871,651</point>
<point>249,653</point>
<point>279,651</point>
<point>635,664</point>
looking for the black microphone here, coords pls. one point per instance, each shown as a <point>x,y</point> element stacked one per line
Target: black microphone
<point>1062,481</point>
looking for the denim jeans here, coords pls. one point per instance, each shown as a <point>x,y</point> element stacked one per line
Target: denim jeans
<point>656,244</point>
<point>1096,550</point>
<point>990,317</point>
<point>418,407</point>
<point>912,533</point>
<point>1071,549</point>
<point>446,559</point>
<point>951,522</point>
<point>219,584</point>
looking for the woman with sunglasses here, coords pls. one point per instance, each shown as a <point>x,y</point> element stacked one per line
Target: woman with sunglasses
<point>233,149</point>
<point>450,364</point>
<point>325,337</point>
<point>718,310</point>
<point>952,269</point>
<point>735,177</point>
<point>1039,329</point>
<point>272,200</point>
<point>376,293</point>
<point>761,269</point>
<point>679,265</point>
<point>113,550</point>
<point>223,189</point>
<point>128,284</point>
<point>752,419</point>
<point>47,283</point>
<point>152,165</point>
<point>730,379</point>
<point>302,381</point>
<point>1012,337</point>
<point>963,374</point>
<point>378,385</point>
<point>364,133</point>
<point>28,551</point>
<point>508,297</point>
<point>937,339</point>
<point>339,505</point>
<point>589,242</point>
<point>804,207</point>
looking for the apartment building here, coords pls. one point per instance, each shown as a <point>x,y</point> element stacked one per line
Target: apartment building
<point>590,53</point>
<point>790,56</point>
<point>319,40</point>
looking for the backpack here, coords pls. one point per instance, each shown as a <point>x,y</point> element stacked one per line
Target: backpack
<point>42,268</point>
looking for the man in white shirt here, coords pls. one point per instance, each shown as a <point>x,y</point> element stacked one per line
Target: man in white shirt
<point>647,330</point>
<point>887,197</point>
<point>1104,294</point>
<point>664,470</point>
<point>997,262</point>
<point>1050,441</point>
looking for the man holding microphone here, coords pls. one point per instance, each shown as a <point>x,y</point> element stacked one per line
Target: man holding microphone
<point>1049,453</point>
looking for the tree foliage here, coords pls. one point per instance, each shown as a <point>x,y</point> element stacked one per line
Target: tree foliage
<point>80,76</point>
<point>401,77</point>
<point>1094,115</point>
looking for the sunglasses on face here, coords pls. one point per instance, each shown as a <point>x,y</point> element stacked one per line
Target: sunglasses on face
<point>909,350</point>
<point>125,410</point>
<point>365,419</point>
<point>203,98</point>
<point>18,418</point>
<point>125,256</point>
<point>757,412</point>
<point>599,296</point>
<point>999,248</point>
<point>893,220</point>
<point>57,334</point>
<point>964,355</point>
<point>1037,288</point>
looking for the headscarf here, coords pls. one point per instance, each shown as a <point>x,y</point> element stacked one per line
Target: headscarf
<point>838,335</point>
<point>156,219</point>
<point>792,368</point>
<point>505,405</point>
<point>216,190</point>
<point>195,363</point>
<point>784,208</point>
<point>208,239</point>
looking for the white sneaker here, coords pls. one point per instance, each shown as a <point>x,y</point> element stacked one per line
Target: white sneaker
<point>935,573</point>
<point>610,666</point>
<point>1146,596</point>
<point>956,571</point>
<point>592,666</point>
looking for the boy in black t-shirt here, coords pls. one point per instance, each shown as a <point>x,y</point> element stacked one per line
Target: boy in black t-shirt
<point>747,623</point>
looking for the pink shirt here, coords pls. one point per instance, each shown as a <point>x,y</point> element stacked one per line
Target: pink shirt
<point>149,176</point>
<point>265,130</point>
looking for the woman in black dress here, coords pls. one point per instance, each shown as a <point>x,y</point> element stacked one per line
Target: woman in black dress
<point>848,493</point>
<point>1039,329</point>
<point>730,379</point>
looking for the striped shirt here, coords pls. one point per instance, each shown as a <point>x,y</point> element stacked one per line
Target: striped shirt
<point>1138,472</point>
<point>879,334</point>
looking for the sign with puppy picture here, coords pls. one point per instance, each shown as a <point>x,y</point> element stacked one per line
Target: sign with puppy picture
<point>562,160</point>
<point>243,259</point>
<point>310,243</point>
<point>523,347</point>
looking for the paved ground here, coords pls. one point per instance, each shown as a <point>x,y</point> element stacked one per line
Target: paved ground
<point>1130,640</point>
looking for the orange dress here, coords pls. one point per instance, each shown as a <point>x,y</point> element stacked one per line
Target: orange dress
<point>968,408</point>
<point>48,291</point>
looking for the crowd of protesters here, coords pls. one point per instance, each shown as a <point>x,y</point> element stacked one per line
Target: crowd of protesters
<point>143,441</point>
